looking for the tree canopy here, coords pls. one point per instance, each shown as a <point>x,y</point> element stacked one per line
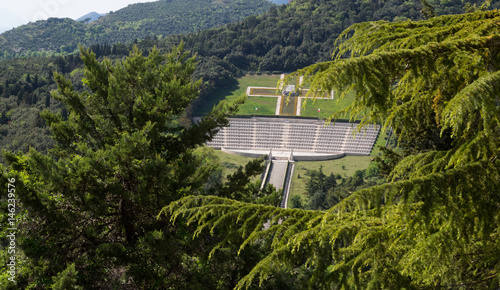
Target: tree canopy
<point>436,223</point>
<point>89,206</point>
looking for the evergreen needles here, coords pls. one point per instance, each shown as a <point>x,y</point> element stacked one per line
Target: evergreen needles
<point>437,223</point>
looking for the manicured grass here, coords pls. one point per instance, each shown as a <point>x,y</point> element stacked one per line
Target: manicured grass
<point>231,162</point>
<point>263,80</point>
<point>381,140</point>
<point>236,89</point>
<point>345,166</point>
<point>263,92</point>
<point>266,106</point>
<point>288,109</point>
<point>327,106</point>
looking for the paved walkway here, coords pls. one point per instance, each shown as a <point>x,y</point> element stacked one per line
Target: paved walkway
<point>277,177</point>
<point>277,173</point>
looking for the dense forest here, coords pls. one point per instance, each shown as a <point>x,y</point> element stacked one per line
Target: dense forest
<point>120,151</point>
<point>325,191</point>
<point>292,36</point>
<point>138,21</point>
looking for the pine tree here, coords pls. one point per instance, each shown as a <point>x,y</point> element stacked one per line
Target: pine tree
<point>437,222</point>
<point>35,82</point>
<point>119,157</point>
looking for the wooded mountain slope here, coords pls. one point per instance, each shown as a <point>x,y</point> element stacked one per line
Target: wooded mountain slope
<point>285,38</point>
<point>135,21</point>
<point>291,36</point>
<point>298,34</point>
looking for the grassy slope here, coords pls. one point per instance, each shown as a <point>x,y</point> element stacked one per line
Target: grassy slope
<point>266,106</point>
<point>345,166</point>
<point>231,162</point>
<point>327,106</point>
<point>234,90</point>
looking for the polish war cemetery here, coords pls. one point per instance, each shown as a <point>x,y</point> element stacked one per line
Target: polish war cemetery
<point>286,137</point>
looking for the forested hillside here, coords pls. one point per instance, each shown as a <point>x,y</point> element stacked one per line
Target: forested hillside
<point>137,21</point>
<point>166,17</point>
<point>285,38</point>
<point>40,38</point>
<point>292,36</point>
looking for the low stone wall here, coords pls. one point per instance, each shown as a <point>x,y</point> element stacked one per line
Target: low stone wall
<point>317,157</point>
<point>296,155</point>
<point>265,175</point>
<point>245,154</point>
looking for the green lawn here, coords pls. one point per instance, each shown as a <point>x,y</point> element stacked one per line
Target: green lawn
<point>345,166</point>
<point>231,162</point>
<point>266,106</point>
<point>327,106</point>
<point>236,89</point>
<point>289,109</point>
<point>381,140</point>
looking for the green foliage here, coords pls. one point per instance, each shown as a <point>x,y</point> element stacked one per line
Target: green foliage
<point>435,224</point>
<point>326,191</point>
<point>66,279</point>
<point>318,181</point>
<point>138,21</point>
<point>291,37</point>
<point>25,91</point>
<point>296,202</point>
<point>427,10</point>
<point>119,156</point>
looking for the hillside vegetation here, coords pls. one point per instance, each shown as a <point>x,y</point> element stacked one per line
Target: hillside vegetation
<point>137,21</point>
<point>298,34</point>
<point>86,212</point>
<point>285,38</point>
<point>291,36</point>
